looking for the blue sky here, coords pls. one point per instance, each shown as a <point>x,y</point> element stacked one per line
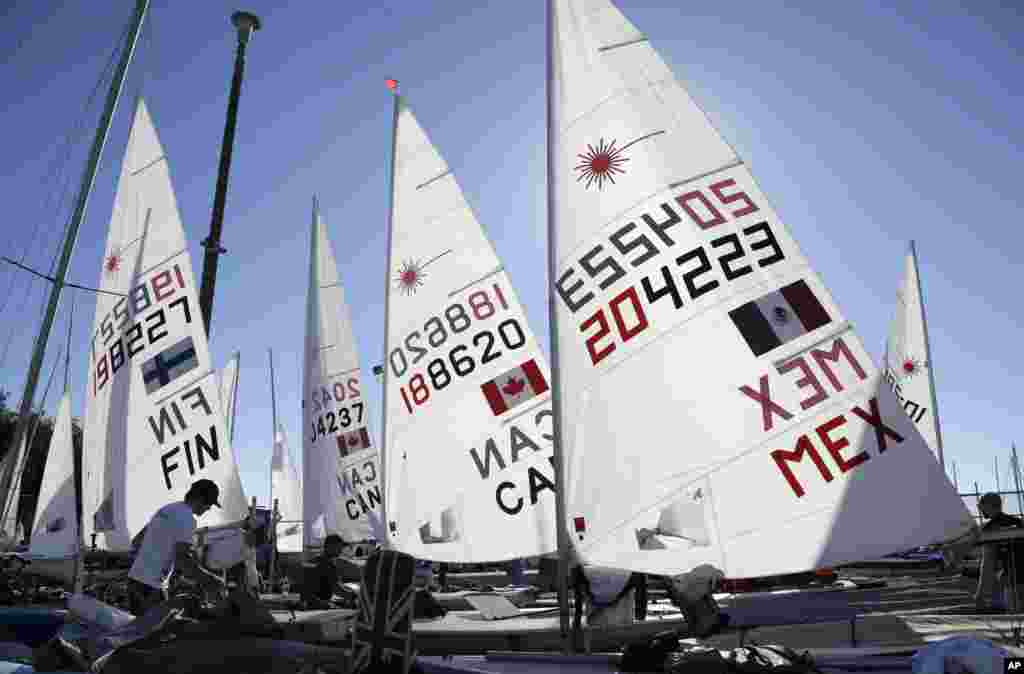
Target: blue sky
<point>867,124</point>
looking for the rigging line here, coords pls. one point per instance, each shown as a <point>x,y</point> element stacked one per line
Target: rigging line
<point>55,201</point>
<point>66,284</point>
<point>58,165</point>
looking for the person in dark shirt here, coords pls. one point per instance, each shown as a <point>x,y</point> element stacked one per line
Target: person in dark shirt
<point>323,580</point>
<point>1008,579</point>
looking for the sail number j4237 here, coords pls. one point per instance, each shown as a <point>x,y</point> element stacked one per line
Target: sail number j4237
<point>459,361</point>
<point>330,421</point>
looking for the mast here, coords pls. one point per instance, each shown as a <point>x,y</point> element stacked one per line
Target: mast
<point>273,407</point>
<point>386,543</point>
<point>556,376</point>
<point>996,460</point>
<point>96,152</point>
<point>273,450</point>
<point>928,357</point>
<point>246,24</point>
<point>1016,479</point>
<point>234,395</point>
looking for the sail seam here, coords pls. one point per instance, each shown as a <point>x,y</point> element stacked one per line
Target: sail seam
<point>338,374</point>
<point>149,165</point>
<point>642,38</point>
<point>164,261</point>
<point>500,269</point>
<point>434,179</point>
<point>726,167</point>
<point>194,382</point>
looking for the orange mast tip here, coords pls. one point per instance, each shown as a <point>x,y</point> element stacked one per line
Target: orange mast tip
<point>392,84</point>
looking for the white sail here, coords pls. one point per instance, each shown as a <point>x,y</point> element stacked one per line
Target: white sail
<point>229,393</point>
<point>287,490</point>
<point>340,465</point>
<point>701,358</point>
<point>908,360</point>
<point>469,422</point>
<point>153,422</point>
<point>55,529</point>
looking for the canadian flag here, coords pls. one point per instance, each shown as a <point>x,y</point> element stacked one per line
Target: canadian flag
<point>515,387</point>
<point>353,441</point>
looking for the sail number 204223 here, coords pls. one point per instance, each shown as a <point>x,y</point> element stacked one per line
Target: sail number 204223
<point>674,274</point>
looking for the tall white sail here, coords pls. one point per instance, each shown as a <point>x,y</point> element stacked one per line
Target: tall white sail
<point>702,360</point>
<point>153,422</point>
<point>229,392</point>
<point>469,422</point>
<point>908,359</point>
<point>340,465</point>
<point>55,529</point>
<point>287,490</point>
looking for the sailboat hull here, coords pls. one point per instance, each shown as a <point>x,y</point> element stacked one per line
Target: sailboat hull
<point>58,569</point>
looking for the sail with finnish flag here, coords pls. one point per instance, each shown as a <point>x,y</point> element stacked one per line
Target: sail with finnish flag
<point>702,362</point>
<point>341,491</point>
<point>908,360</point>
<point>154,422</point>
<point>468,421</point>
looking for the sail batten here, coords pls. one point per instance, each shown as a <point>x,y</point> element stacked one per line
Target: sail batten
<point>716,402</point>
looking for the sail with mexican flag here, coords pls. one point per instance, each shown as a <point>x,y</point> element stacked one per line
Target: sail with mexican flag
<point>701,360</point>
<point>468,422</point>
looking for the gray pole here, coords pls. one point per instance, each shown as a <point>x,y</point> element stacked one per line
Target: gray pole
<point>556,377</point>
<point>273,433</point>
<point>386,543</point>
<point>1016,479</point>
<point>25,409</point>
<point>246,23</point>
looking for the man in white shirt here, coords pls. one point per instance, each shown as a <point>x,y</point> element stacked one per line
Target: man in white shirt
<point>167,545</point>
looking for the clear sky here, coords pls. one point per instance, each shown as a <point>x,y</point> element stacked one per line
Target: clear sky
<point>866,123</point>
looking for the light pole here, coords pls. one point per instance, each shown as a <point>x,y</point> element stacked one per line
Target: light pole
<point>245,23</point>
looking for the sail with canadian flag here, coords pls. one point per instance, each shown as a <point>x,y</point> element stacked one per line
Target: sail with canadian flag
<point>154,422</point>
<point>716,406</point>
<point>468,421</point>
<point>908,360</point>
<point>341,490</point>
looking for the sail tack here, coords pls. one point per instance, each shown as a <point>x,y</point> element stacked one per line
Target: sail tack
<point>718,408</point>
<point>468,418</point>
<point>341,470</point>
<point>908,361</point>
<point>55,529</point>
<point>153,422</point>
